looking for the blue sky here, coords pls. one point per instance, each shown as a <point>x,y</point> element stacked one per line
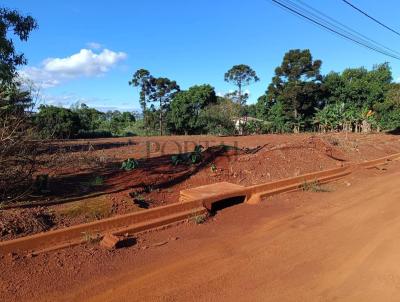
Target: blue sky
<point>192,42</point>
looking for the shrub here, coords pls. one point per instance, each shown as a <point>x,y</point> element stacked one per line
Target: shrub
<point>130,164</point>
<point>188,158</point>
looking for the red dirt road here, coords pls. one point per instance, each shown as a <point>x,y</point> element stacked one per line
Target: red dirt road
<point>330,246</point>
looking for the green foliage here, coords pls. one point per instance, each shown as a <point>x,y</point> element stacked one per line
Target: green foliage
<point>241,75</point>
<point>280,122</point>
<point>176,159</point>
<point>89,118</point>
<point>82,122</point>
<point>141,78</point>
<point>95,182</point>
<point>11,21</point>
<point>388,111</point>
<point>129,164</point>
<point>218,119</point>
<point>156,90</point>
<point>57,122</point>
<point>359,87</point>
<point>194,157</point>
<point>186,108</point>
<point>297,86</point>
<point>257,127</point>
<point>117,122</point>
<point>199,219</point>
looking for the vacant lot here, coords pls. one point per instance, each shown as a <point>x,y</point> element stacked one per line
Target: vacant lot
<point>86,181</point>
<point>333,245</point>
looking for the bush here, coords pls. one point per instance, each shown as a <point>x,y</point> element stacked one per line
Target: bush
<point>257,127</point>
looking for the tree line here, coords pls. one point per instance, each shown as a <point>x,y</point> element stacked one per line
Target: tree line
<point>299,98</point>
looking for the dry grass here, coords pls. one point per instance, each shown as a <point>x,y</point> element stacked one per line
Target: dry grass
<point>92,208</point>
<point>313,186</point>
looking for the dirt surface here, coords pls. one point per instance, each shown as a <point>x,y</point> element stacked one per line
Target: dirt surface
<point>337,245</point>
<point>82,168</point>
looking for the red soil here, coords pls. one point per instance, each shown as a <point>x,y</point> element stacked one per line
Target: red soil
<point>157,182</point>
<point>328,246</point>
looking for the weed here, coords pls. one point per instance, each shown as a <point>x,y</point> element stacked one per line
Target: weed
<point>176,159</point>
<point>213,168</point>
<point>313,186</point>
<point>97,181</point>
<point>140,200</point>
<point>199,219</point>
<point>90,238</point>
<point>188,158</point>
<point>129,164</point>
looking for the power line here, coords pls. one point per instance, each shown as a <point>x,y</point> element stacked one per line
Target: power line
<point>347,27</point>
<point>372,18</point>
<point>294,9</point>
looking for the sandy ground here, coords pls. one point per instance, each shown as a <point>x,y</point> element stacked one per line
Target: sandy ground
<point>328,246</point>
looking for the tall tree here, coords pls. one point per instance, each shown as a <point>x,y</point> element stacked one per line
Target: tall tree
<point>161,91</point>
<point>187,106</point>
<point>12,23</point>
<point>142,78</point>
<point>152,89</point>
<point>241,75</point>
<point>297,85</point>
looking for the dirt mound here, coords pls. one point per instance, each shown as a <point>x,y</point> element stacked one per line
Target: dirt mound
<point>20,223</point>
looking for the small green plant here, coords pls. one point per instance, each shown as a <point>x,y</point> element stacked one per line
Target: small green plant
<point>138,197</point>
<point>188,158</point>
<point>176,160</point>
<point>200,219</point>
<point>129,164</point>
<point>213,168</point>
<point>196,156</point>
<point>97,181</point>
<point>313,186</point>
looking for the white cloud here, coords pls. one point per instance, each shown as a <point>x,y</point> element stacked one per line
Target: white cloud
<point>94,45</point>
<point>54,71</point>
<point>68,99</point>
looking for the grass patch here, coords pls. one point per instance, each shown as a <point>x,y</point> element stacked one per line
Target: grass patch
<point>199,219</point>
<point>90,238</point>
<point>313,186</point>
<point>92,208</point>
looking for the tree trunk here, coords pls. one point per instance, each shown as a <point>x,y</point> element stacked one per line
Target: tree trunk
<point>365,126</point>
<point>296,126</point>
<point>161,119</point>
